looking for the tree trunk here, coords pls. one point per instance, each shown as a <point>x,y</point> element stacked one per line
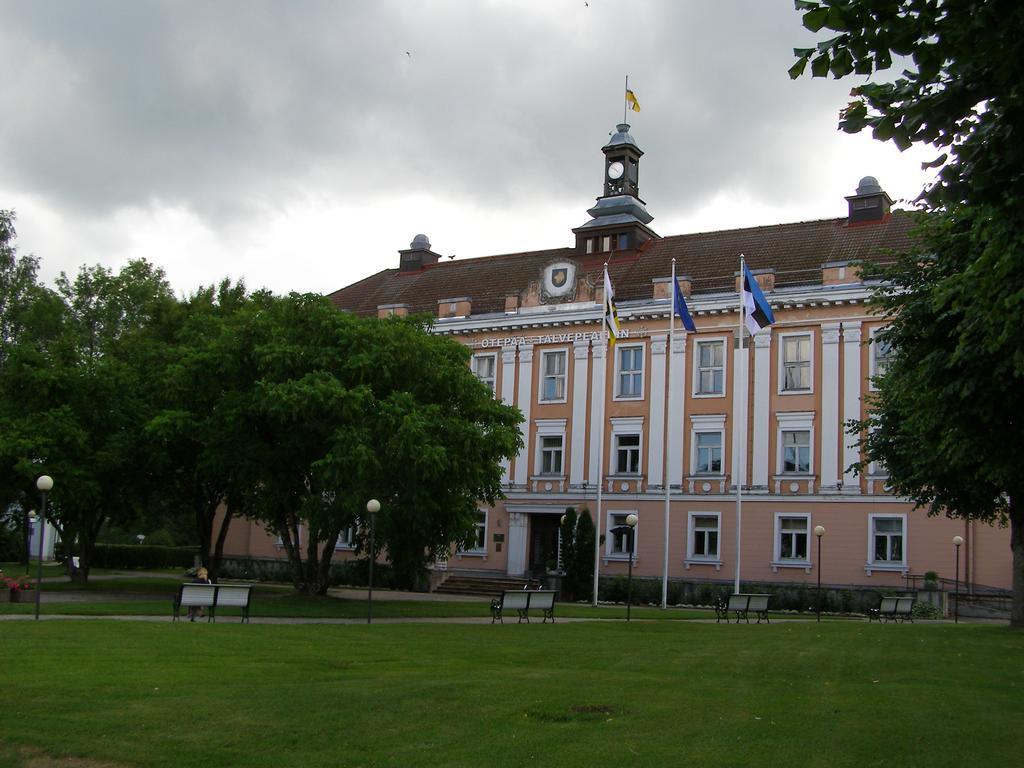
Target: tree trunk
<point>1017,545</point>
<point>323,573</point>
<point>217,555</point>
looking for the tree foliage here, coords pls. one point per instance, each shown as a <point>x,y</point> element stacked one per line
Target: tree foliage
<point>347,409</point>
<point>959,93</point>
<point>73,402</point>
<point>945,420</point>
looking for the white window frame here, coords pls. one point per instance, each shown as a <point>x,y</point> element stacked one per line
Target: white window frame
<point>703,423</point>
<point>549,428</point>
<point>279,543</point>
<point>703,341</point>
<point>564,375</point>
<point>476,550</point>
<point>873,358</point>
<point>346,539</point>
<point>886,565</point>
<point>810,362</point>
<point>631,452</point>
<point>792,562</point>
<point>625,425</point>
<point>877,469</point>
<point>691,530</point>
<point>619,349</point>
<point>609,539</point>
<point>794,421</point>
<point>492,380</point>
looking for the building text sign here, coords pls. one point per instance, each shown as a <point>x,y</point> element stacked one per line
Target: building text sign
<point>556,338</point>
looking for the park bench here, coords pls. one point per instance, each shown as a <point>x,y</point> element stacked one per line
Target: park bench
<point>235,596</point>
<point>213,596</point>
<point>742,605</point>
<point>893,609</point>
<point>522,601</point>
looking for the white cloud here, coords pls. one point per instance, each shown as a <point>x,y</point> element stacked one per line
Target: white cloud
<point>298,146</point>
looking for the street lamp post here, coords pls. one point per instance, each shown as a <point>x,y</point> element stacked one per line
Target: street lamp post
<point>819,531</point>
<point>628,530</point>
<point>957,541</point>
<point>45,485</point>
<point>372,507</point>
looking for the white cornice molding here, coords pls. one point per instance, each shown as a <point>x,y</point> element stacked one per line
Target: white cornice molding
<point>579,314</point>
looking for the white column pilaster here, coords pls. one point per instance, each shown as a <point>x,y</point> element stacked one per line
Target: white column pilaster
<point>830,426</point>
<point>762,400</point>
<point>851,402</point>
<point>508,379</point>
<point>740,390</point>
<point>676,410</point>
<point>596,412</point>
<point>656,434</point>
<point>523,400</point>
<point>578,449</point>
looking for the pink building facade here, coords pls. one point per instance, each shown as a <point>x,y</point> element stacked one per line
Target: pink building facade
<point>684,415</point>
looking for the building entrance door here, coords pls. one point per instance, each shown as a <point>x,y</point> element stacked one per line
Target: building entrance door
<point>543,543</point>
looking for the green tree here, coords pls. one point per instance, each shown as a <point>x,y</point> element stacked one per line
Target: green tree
<point>75,407</point>
<point>346,409</point>
<point>30,316</point>
<point>198,432</point>
<point>580,573</point>
<point>944,421</point>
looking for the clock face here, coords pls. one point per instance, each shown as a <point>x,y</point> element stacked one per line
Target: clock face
<point>615,170</point>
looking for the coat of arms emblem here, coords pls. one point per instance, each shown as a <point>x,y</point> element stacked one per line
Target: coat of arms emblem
<point>559,276</point>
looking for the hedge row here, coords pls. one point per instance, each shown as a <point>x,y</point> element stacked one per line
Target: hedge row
<point>785,597</point>
<point>353,573</point>
<point>134,556</point>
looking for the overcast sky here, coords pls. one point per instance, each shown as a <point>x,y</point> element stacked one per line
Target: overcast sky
<point>299,145</point>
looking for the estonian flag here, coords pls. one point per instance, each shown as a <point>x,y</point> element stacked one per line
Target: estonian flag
<point>680,307</point>
<point>759,314</point>
<point>611,316</point>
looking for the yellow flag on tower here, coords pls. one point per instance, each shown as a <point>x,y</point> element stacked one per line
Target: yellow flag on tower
<point>631,101</point>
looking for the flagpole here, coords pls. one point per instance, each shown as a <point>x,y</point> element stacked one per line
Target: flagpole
<point>625,101</point>
<point>741,379</point>
<point>665,452</point>
<point>600,444</point>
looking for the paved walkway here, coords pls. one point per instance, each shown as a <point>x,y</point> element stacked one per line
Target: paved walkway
<point>347,593</point>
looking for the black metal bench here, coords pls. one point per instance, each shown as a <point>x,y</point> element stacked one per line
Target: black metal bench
<point>521,601</point>
<point>741,606</point>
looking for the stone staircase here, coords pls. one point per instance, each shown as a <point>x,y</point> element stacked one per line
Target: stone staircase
<point>484,586</point>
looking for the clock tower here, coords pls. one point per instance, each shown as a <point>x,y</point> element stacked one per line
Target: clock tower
<point>620,218</point>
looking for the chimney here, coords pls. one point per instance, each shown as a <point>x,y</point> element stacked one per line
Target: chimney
<point>417,256</point>
<point>870,204</point>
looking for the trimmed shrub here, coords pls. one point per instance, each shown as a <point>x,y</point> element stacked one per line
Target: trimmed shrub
<point>133,556</point>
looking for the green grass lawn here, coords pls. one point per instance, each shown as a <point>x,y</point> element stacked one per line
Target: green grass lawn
<point>583,694</point>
